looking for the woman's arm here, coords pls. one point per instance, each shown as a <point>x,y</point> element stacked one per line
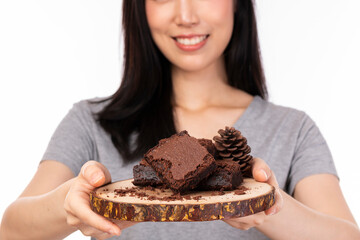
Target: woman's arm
<point>55,204</point>
<point>39,211</point>
<point>318,211</point>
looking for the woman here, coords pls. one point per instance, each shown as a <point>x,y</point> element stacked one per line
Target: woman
<point>193,65</point>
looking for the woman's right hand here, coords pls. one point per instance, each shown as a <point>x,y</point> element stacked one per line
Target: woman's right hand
<point>77,205</point>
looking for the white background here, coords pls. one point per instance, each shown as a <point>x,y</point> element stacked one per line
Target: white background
<point>54,53</point>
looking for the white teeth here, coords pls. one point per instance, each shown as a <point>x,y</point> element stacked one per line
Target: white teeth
<point>190,41</point>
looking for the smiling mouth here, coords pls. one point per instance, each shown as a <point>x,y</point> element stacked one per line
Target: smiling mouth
<point>190,41</point>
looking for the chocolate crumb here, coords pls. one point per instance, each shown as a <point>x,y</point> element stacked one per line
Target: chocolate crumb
<point>197,198</point>
<point>187,197</point>
<point>241,190</point>
<point>141,193</point>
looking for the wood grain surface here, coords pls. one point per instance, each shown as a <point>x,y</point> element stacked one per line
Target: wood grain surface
<point>195,206</point>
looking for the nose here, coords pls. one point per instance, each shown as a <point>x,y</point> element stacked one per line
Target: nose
<point>186,13</point>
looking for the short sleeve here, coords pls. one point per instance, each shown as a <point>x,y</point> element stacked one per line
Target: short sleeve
<point>312,155</point>
<point>71,142</point>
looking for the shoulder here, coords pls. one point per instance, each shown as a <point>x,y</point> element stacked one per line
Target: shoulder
<point>272,115</point>
<point>84,113</point>
<point>269,108</point>
<point>90,107</point>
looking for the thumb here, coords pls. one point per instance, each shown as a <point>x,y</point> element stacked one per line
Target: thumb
<point>260,170</point>
<point>95,173</point>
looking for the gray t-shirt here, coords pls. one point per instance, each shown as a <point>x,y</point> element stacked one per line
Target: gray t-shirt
<point>287,139</point>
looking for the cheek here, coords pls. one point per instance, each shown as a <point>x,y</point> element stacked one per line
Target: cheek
<point>223,22</point>
<point>219,8</point>
<point>225,13</point>
<point>157,16</point>
<point>151,15</point>
<point>222,19</point>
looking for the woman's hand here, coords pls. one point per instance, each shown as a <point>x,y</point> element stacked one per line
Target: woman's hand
<point>77,206</point>
<point>262,173</point>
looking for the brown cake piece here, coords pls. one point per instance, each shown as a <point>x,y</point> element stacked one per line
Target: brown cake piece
<point>181,161</point>
<point>227,176</point>
<point>209,145</point>
<point>145,175</point>
<point>144,162</point>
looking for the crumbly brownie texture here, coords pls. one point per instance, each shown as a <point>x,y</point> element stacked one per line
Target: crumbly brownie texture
<point>227,176</point>
<point>144,162</point>
<point>181,161</point>
<point>145,175</point>
<point>209,145</point>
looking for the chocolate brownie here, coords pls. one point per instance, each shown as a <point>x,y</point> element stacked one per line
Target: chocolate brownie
<point>227,176</point>
<point>145,175</point>
<point>209,145</point>
<point>181,161</point>
<point>144,162</point>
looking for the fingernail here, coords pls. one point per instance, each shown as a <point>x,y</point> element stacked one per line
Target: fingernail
<point>96,177</point>
<point>264,173</point>
<point>113,232</point>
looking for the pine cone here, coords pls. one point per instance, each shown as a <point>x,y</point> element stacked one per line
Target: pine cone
<point>231,145</point>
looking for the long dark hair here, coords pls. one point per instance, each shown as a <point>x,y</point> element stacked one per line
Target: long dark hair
<point>140,113</point>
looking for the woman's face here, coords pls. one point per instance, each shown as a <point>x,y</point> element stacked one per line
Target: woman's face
<point>192,34</point>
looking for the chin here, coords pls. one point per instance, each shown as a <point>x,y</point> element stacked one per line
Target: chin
<point>191,66</point>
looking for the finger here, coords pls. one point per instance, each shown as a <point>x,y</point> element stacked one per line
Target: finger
<point>95,173</point>
<point>238,225</point>
<point>124,224</point>
<point>272,180</point>
<point>278,197</point>
<point>93,232</point>
<point>83,212</point>
<point>247,222</point>
<point>260,170</point>
<point>102,236</point>
<point>279,202</point>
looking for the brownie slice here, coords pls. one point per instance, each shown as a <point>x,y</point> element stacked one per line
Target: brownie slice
<point>227,176</point>
<point>145,175</point>
<point>181,161</point>
<point>209,145</point>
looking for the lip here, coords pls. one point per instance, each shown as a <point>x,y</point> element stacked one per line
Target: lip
<point>190,48</point>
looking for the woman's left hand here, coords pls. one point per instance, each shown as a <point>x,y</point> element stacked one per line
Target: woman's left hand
<point>262,173</point>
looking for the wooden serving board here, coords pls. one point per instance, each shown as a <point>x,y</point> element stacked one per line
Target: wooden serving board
<point>198,206</point>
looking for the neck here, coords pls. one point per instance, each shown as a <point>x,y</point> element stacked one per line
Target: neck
<point>205,86</point>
